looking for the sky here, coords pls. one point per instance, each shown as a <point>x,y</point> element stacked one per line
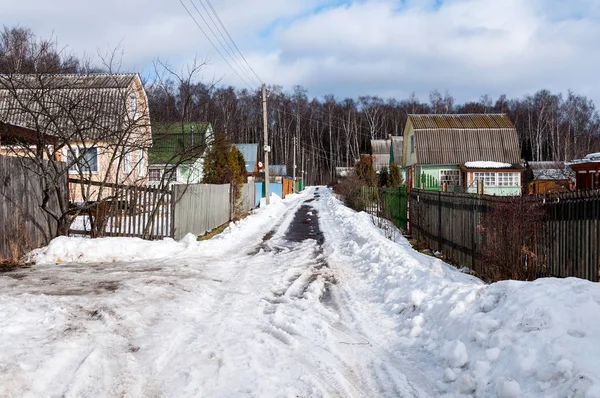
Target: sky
<point>343,47</point>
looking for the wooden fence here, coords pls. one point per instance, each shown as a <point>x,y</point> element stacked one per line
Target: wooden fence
<point>563,242</point>
<point>125,211</point>
<point>24,224</point>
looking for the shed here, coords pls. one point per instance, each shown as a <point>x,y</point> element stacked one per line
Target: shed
<point>547,177</point>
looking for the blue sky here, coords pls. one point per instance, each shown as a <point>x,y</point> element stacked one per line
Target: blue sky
<point>348,48</point>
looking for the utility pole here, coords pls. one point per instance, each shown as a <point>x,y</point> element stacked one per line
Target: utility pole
<point>267,149</point>
<point>294,169</point>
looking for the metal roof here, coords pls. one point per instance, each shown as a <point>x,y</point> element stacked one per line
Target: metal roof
<point>277,170</point>
<point>551,171</point>
<point>75,106</point>
<point>457,139</point>
<point>380,147</point>
<point>466,121</point>
<point>396,153</point>
<point>250,152</point>
<point>179,142</point>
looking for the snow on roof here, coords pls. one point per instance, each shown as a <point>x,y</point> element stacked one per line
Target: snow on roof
<point>487,165</point>
<point>594,157</point>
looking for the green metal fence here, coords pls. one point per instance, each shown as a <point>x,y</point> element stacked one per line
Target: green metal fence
<point>395,206</point>
<point>390,203</point>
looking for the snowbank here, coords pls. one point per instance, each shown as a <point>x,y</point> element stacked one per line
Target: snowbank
<point>234,237</point>
<point>507,339</point>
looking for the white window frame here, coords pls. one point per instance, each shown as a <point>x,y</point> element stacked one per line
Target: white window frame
<point>453,173</point>
<point>500,179</point>
<point>75,168</point>
<point>127,161</point>
<point>152,172</point>
<point>412,143</point>
<point>133,106</point>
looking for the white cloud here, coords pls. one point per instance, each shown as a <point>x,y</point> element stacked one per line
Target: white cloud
<point>383,47</point>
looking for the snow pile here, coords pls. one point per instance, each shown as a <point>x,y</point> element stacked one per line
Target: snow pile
<point>507,339</point>
<point>85,250</point>
<point>487,165</point>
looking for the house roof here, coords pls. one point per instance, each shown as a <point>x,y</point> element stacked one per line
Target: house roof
<point>88,106</point>
<point>179,142</point>
<point>250,152</point>
<point>461,121</point>
<point>277,170</point>
<point>396,152</point>
<point>457,139</point>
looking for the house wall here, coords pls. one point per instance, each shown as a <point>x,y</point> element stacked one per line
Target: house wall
<point>433,171</point>
<point>111,169</point>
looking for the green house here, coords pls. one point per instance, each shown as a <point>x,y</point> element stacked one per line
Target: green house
<point>176,155</point>
<point>457,151</point>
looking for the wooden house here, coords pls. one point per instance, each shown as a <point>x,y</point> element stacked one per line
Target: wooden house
<point>178,150</point>
<point>456,151</point>
<point>587,172</point>
<point>100,122</point>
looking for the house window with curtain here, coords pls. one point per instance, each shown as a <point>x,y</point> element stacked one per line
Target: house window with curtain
<point>83,160</point>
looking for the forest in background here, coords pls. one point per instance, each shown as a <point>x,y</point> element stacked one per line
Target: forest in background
<point>332,132</point>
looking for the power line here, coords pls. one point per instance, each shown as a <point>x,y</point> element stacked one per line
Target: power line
<point>211,42</point>
<point>232,41</point>
<point>233,58</point>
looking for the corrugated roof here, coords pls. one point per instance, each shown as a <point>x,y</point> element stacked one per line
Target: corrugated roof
<point>250,152</point>
<point>396,152</point>
<point>176,142</point>
<point>457,139</point>
<point>277,170</point>
<point>551,171</point>
<point>466,121</point>
<point>380,147</point>
<point>93,106</point>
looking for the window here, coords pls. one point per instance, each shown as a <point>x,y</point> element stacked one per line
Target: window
<point>83,160</point>
<point>412,144</point>
<point>133,106</point>
<point>450,177</point>
<point>127,161</point>
<point>154,175</point>
<point>503,179</point>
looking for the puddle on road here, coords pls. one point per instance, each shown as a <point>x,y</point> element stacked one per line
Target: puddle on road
<point>305,225</point>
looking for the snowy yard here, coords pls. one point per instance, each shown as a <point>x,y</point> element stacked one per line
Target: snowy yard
<point>304,298</point>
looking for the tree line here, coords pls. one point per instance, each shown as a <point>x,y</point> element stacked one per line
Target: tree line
<point>331,132</point>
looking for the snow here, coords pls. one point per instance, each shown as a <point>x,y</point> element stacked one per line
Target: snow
<point>487,165</point>
<point>253,313</point>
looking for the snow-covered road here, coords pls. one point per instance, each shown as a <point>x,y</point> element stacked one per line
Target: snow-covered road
<point>305,298</point>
